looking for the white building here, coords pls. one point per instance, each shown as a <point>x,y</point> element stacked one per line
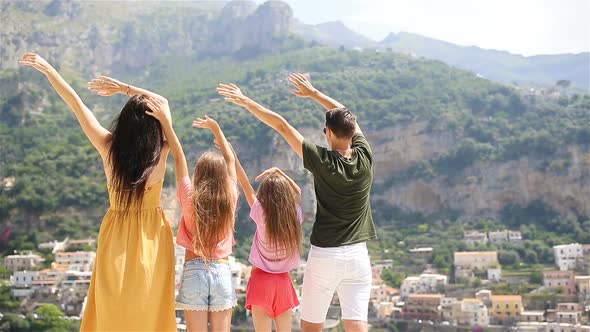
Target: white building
<point>532,316</point>
<point>240,274</point>
<point>569,313</point>
<point>48,281</point>
<point>514,236</point>
<point>566,255</point>
<point>495,273</point>
<point>497,237</point>
<point>23,262</point>
<point>471,312</point>
<point>81,261</point>
<point>426,283</point>
<point>474,237</point>
<point>23,279</point>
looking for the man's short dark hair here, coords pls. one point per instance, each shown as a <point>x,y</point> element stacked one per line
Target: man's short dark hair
<point>341,122</point>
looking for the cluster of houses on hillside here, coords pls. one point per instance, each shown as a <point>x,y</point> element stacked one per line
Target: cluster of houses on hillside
<point>475,237</point>
<point>66,281</point>
<point>424,297</point>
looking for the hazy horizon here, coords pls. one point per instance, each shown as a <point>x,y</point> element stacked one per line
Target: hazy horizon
<point>550,27</point>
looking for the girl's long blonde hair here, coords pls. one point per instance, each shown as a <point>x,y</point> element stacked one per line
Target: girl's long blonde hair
<point>283,229</point>
<point>214,203</point>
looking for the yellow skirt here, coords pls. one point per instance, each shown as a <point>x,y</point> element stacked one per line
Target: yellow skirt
<point>132,286</point>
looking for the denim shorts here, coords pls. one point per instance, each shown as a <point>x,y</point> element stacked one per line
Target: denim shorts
<point>206,286</point>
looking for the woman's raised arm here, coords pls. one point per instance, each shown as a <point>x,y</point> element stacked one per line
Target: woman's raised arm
<point>97,134</point>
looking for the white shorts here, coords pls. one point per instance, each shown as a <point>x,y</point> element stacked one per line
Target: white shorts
<point>346,270</point>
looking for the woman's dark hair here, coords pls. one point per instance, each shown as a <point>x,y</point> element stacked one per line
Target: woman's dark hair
<point>136,144</point>
<point>341,121</point>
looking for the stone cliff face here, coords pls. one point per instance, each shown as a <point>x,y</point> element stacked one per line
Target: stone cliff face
<point>483,189</point>
<point>71,35</point>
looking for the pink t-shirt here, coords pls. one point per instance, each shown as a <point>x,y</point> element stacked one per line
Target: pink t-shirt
<point>260,255</point>
<point>186,230</point>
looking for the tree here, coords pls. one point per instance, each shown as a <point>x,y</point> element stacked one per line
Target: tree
<point>536,277</point>
<point>508,257</point>
<point>12,322</point>
<point>391,278</point>
<point>530,257</point>
<point>50,318</point>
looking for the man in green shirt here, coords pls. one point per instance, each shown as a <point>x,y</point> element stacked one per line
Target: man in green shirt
<point>338,260</point>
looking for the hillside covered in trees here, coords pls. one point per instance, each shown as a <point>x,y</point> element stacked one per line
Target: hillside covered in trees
<point>452,151</point>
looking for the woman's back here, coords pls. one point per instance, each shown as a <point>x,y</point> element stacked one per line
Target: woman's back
<point>132,285</point>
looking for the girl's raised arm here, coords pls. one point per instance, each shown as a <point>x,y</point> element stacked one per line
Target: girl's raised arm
<point>292,183</point>
<point>243,179</point>
<point>97,134</point>
<point>224,146</point>
<point>161,111</point>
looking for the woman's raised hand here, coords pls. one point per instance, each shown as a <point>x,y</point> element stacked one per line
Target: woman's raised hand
<point>36,61</point>
<point>232,93</point>
<point>107,86</point>
<point>159,109</point>
<point>302,84</point>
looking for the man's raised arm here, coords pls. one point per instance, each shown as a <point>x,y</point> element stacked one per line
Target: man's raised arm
<point>233,94</point>
<point>305,89</point>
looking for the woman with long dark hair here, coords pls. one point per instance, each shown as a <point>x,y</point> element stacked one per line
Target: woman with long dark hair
<point>132,286</point>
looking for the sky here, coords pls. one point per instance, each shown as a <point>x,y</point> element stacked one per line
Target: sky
<point>527,27</point>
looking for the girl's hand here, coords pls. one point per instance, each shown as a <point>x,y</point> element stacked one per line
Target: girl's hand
<point>302,84</point>
<point>268,172</point>
<point>233,94</point>
<point>107,86</point>
<point>207,122</point>
<point>159,109</point>
<point>37,62</point>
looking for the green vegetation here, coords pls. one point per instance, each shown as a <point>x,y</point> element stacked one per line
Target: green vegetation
<point>47,318</point>
<point>59,184</point>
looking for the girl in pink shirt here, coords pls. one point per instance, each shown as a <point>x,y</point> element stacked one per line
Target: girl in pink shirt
<point>276,210</point>
<point>206,230</point>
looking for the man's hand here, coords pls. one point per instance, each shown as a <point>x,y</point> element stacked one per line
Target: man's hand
<point>233,94</point>
<point>302,84</point>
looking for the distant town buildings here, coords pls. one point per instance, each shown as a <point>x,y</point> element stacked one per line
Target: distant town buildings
<point>422,306</point>
<point>82,261</point>
<point>566,255</point>
<point>21,262</point>
<point>423,284</point>
<point>506,308</point>
<point>469,263</point>
<point>560,280</point>
<point>475,237</point>
<point>470,312</point>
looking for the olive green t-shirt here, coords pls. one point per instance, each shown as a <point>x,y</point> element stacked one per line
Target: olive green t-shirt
<point>342,188</point>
